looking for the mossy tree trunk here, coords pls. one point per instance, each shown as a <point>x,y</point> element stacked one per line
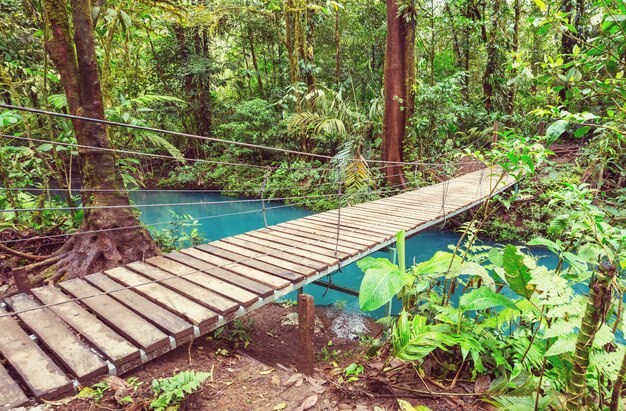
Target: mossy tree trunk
<point>597,306</point>
<point>72,50</point>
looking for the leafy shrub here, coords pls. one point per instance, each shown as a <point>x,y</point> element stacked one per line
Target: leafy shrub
<point>170,392</point>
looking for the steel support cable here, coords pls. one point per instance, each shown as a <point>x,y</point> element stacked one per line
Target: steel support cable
<point>382,191</point>
<point>163,156</point>
<point>199,191</point>
<point>124,206</point>
<point>173,276</point>
<point>212,139</point>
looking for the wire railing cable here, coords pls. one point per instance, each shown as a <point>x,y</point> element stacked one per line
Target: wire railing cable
<point>194,271</point>
<point>388,190</point>
<point>204,138</point>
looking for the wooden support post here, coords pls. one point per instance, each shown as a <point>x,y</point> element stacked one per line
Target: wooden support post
<point>21,280</point>
<point>496,126</point>
<point>306,324</point>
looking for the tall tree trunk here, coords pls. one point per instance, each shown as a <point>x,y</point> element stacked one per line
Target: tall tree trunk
<point>337,48</point>
<point>510,103</point>
<point>492,54</point>
<point>290,41</point>
<point>75,59</point>
<point>394,117</point>
<point>255,64</point>
<point>574,10</point>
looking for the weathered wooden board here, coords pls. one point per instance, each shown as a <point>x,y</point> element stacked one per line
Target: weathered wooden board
<point>291,249</point>
<point>314,240</point>
<point>110,343</point>
<point>350,225</point>
<point>250,273</point>
<point>11,395</point>
<point>294,248</point>
<point>270,259</point>
<point>349,228</point>
<point>184,286</point>
<point>312,245</point>
<point>255,246</point>
<point>58,338</point>
<point>173,325</point>
<point>344,239</point>
<point>239,288</point>
<point>43,378</point>
<point>250,262</point>
<point>315,228</point>
<point>123,320</point>
<point>199,315</point>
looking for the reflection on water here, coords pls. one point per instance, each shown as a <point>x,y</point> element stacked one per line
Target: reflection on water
<point>418,248</point>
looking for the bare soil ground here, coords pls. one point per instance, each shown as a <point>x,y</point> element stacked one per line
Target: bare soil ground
<point>264,375</point>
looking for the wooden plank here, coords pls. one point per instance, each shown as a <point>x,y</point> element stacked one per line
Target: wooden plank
<point>354,225</point>
<point>327,238</point>
<point>415,213</point>
<point>282,272</point>
<point>175,326</point>
<point>307,250</point>
<point>187,286</point>
<point>255,246</point>
<point>290,250</point>
<point>123,320</point>
<point>270,259</point>
<point>110,343</point>
<point>376,236</point>
<point>315,228</point>
<point>250,273</point>
<point>199,315</point>
<point>318,247</point>
<point>305,244</point>
<point>349,240</point>
<point>426,211</point>
<point>314,240</point>
<point>304,237</point>
<point>42,376</point>
<point>380,223</point>
<point>242,289</point>
<point>58,338</point>
<point>11,395</point>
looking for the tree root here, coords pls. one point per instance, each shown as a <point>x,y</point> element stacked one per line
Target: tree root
<point>41,264</point>
<point>85,254</point>
<point>27,256</point>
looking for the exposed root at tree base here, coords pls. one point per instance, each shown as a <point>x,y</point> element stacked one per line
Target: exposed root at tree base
<point>88,253</point>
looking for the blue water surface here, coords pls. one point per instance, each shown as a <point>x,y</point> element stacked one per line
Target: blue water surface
<point>214,226</point>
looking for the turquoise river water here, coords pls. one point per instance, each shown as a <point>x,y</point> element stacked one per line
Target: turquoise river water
<point>419,248</point>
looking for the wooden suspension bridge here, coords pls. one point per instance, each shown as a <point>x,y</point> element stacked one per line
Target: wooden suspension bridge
<point>58,337</point>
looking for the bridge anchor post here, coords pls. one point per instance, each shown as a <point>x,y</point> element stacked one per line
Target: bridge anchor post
<point>306,326</point>
<point>21,280</point>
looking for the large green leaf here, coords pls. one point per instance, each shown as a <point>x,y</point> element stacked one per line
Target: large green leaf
<point>414,339</point>
<point>555,130</point>
<point>483,298</point>
<point>440,262</point>
<point>516,272</point>
<point>381,282</point>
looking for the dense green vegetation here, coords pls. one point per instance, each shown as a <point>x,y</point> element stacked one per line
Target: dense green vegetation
<point>322,102</point>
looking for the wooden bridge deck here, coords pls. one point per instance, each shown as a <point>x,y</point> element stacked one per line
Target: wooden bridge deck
<point>90,328</point>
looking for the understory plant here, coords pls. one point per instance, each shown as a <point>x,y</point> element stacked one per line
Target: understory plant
<point>549,334</point>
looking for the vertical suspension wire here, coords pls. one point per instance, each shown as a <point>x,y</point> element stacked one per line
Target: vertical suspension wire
<point>444,196</point>
<point>339,200</point>
<point>263,188</point>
